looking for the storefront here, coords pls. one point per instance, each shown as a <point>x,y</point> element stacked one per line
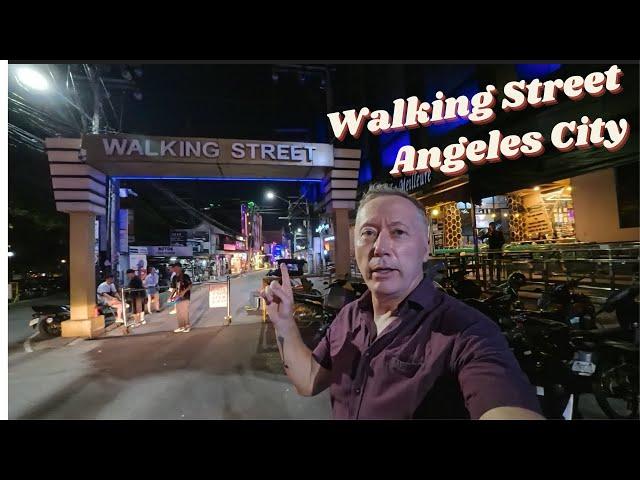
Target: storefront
<point>543,213</point>
<point>238,262</point>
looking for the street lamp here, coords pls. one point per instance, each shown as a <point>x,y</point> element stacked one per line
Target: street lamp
<point>11,254</point>
<point>270,196</point>
<point>63,261</point>
<point>32,79</point>
<point>291,208</point>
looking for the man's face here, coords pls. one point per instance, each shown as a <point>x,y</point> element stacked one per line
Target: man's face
<point>390,244</point>
<point>109,280</point>
<point>131,275</point>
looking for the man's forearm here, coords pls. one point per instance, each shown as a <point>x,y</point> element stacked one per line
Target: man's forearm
<point>511,413</point>
<point>299,364</point>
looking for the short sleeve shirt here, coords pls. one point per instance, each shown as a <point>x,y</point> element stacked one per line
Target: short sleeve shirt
<point>104,287</point>
<point>185,281</point>
<point>439,358</point>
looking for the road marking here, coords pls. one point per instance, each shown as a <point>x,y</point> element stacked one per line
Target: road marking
<point>27,343</point>
<point>77,340</point>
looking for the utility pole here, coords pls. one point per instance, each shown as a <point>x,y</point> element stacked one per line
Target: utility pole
<point>310,260</point>
<point>95,89</point>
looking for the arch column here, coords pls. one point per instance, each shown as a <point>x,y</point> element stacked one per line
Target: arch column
<point>340,188</point>
<point>80,191</point>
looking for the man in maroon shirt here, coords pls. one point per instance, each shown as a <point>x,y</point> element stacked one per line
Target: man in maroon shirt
<point>404,349</point>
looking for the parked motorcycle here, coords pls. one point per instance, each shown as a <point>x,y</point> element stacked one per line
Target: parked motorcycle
<point>48,318</point>
<point>563,304</point>
<point>455,284</point>
<point>321,310</point>
<point>562,360</point>
<point>501,300</point>
<point>615,386</point>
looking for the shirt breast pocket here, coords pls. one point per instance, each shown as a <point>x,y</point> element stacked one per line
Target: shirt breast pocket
<point>406,369</point>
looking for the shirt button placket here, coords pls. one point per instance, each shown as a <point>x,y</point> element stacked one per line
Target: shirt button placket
<point>361,379</point>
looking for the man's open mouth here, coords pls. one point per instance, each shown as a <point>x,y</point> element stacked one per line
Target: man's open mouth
<point>381,270</point>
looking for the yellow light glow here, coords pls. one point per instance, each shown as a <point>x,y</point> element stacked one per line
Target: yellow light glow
<point>536,188</point>
<point>517,215</point>
<point>505,215</point>
<point>568,189</point>
<point>435,212</point>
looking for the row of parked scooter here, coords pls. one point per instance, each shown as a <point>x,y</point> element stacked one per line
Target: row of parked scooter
<point>563,345</point>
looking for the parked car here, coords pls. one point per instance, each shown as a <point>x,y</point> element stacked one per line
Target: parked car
<point>296,267</point>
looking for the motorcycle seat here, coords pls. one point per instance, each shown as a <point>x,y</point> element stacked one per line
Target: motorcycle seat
<point>50,309</point>
<point>625,346</point>
<point>309,299</point>
<point>600,333</point>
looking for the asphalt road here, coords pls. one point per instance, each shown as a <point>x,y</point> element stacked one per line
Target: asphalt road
<point>213,372</point>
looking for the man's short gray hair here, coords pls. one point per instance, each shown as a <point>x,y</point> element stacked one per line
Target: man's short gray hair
<point>384,189</point>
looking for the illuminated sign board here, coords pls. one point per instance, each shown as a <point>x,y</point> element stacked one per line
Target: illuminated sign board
<point>453,160</point>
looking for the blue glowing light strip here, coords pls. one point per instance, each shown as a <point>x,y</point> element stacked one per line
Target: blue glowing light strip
<point>319,180</point>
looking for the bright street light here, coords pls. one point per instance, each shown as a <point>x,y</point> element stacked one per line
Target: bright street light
<point>270,195</point>
<point>299,230</point>
<point>31,78</point>
<point>11,254</point>
<point>63,261</point>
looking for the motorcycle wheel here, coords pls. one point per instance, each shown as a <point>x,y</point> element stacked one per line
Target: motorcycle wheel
<point>613,407</point>
<point>554,402</point>
<point>304,315</point>
<point>53,329</point>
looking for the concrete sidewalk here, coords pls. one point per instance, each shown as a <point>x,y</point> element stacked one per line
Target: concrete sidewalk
<point>232,372</point>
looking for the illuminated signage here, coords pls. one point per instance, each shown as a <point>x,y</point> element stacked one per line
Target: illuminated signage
<point>137,148</point>
<point>453,160</point>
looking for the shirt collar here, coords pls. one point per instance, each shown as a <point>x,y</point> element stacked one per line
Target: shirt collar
<point>424,297</point>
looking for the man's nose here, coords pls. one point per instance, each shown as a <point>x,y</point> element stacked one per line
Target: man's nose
<point>382,244</point>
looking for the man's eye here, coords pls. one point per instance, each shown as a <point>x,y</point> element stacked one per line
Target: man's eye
<point>399,232</point>
<point>368,233</point>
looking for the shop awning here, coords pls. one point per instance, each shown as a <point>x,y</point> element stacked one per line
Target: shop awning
<point>451,190</point>
<point>508,176</point>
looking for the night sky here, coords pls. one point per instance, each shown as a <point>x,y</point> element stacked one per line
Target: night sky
<point>260,102</point>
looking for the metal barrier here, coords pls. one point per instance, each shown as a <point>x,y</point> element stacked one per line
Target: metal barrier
<point>125,314</point>
<point>608,266</point>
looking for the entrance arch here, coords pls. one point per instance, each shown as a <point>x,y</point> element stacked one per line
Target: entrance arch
<point>82,170</point>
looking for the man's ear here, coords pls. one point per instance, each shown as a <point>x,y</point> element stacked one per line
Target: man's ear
<point>426,253</point>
